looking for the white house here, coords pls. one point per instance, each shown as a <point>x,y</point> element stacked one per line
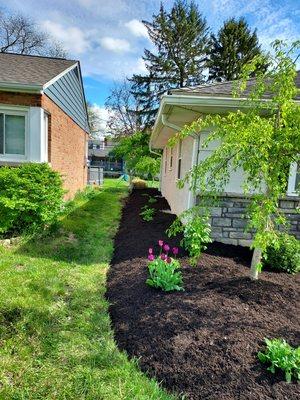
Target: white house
<point>182,106</point>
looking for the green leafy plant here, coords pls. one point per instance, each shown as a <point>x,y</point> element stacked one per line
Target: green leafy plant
<point>282,356</point>
<point>147,214</point>
<point>196,235</point>
<point>152,200</point>
<point>31,197</point>
<point>284,254</point>
<point>164,270</point>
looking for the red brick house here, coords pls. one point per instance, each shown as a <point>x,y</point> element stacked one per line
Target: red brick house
<point>43,116</point>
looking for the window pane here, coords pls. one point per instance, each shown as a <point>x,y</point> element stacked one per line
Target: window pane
<point>14,134</point>
<point>1,134</point>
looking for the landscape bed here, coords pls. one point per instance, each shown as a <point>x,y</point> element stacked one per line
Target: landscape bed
<point>201,343</point>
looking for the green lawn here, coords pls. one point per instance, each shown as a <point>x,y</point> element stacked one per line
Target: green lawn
<point>55,336</point>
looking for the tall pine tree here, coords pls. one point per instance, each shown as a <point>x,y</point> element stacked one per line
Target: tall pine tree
<point>234,46</point>
<point>180,38</point>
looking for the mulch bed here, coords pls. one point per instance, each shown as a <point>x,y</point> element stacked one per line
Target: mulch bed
<point>201,343</point>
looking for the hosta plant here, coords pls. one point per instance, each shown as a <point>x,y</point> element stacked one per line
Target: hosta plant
<point>164,270</point>
<point>280,355</point>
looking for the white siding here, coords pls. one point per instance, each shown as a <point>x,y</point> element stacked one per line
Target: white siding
<point>178,199</point>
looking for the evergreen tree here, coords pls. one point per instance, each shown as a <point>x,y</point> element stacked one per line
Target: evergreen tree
<point>180,38</point>
<point>234,46</point>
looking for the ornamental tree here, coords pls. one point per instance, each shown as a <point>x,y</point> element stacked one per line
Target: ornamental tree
<point>262,138</point>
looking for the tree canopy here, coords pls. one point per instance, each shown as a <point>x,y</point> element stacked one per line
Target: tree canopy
<point>180,40</point>
<point>19,34</point>
<point>233,47</point>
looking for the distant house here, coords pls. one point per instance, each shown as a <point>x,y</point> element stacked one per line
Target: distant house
<point>43,115</point>
<point>182,106</point>
<point>99,155</point>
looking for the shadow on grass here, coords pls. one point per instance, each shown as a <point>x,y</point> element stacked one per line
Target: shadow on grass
<point>82,236</point>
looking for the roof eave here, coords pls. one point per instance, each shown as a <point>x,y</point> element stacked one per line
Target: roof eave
<point>20,87</point>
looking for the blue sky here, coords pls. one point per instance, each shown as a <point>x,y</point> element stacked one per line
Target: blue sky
<point>108,37</point>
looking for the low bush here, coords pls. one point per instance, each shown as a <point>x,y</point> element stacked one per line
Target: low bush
<point>284,254</point>
<point>281,356</point>
<point>31,197</point>
<point>196,235</point>
<point>148,213</point>
<point>164,270</point>
<point>138,183</point>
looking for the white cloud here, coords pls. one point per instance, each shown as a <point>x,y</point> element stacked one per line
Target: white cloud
<point>115,45</point>
<point>73,39</point>
<point>137,28</point>
<point>103,115</point>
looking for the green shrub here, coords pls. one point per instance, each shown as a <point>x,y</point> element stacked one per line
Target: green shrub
<point>148,213</point>
<point>284,254</point>
<point>282,356</point>
<point>196,235</point>
<point>31,197</point>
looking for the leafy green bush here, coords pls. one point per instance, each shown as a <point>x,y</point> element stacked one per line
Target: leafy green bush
<point>164,270</point>
<point>31,197</point>
<point>196,235</point>
<point>282,356</point>
<point>284,254</point>
<point>148,213</point>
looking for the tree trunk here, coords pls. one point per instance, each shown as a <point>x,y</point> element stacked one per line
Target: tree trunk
<point>256,259</point>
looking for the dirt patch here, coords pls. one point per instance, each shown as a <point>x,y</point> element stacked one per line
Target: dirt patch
<point>201,343</point>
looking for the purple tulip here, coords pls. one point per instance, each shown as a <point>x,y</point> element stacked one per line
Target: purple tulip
<point>163,256</point>
<point>175,251</point>
<point>166,248</point>
<point>169,260</point>
<point>160,243</point>
<point>151,257</point>
<point>150,250</point>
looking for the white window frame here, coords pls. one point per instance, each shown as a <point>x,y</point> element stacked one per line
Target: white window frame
<point>18,111</point>
<point>171,162</point>
<point>179,161</point>
<point>292,180</point>
<point>166,161</point>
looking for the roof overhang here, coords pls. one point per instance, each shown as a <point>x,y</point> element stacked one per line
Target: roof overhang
<point>180,110</point>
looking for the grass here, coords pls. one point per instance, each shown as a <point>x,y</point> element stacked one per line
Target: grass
<point>56,340</point>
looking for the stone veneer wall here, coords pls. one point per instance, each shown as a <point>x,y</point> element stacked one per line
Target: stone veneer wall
<point>229,219</point>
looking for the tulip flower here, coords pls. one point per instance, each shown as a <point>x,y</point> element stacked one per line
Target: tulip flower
<point>175,251</point>
<point>163,256</point>
<point>166,248</point>
<point>150,250</point>
<point>160,243</point>
<point>151,257</point>
<point>169,260</point>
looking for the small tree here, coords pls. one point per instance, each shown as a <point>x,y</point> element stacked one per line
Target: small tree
<point>263,140</point>
<point>134,150</point>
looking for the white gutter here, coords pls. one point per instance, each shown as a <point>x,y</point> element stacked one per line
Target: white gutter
<point>21,87</point>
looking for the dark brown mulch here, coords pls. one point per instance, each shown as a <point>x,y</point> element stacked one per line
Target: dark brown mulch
<point>201,343</point>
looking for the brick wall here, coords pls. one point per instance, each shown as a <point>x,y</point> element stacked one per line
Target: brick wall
<point>21,99</point>
<point>66,147</point>
<point>229,219</point>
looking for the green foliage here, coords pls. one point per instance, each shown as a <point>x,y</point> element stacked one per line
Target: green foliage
<point>31,197</point>
<point>284,254</point>
<point>263,140</point>
<point>147,214</point>
<point>196,233</point>
<point>152,200</point>
<point>282,356</point>
<point>180,40</point>
<point>233,47</point>
<point>165,275</point>
<point>53,298</point>
<point>135,152</point>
